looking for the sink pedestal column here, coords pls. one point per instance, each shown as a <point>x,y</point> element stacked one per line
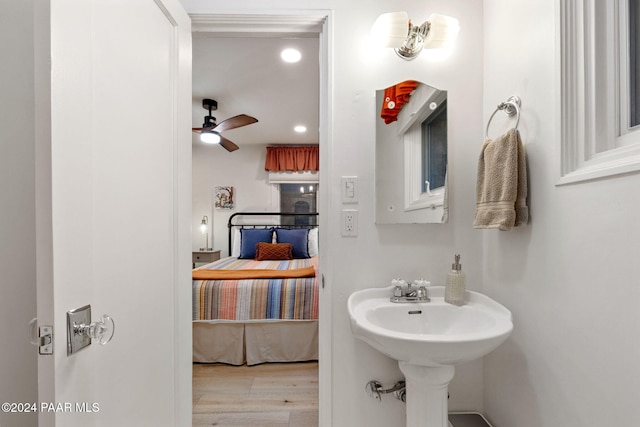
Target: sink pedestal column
<point>427,394</point>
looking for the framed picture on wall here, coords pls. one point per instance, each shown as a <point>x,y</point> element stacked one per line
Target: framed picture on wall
<point>224,197</point>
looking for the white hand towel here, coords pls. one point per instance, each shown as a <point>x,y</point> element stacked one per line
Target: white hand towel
<point>501,192</point>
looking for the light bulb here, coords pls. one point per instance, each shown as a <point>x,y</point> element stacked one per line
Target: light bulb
<point>291,55</point>
<point>210,137</point>
<point>391,29</point>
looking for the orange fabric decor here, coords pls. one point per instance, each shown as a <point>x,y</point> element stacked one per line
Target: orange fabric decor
<point>273,251</point>
<point>394,99</point>
<point>287,158</point>
<point>253,274</point>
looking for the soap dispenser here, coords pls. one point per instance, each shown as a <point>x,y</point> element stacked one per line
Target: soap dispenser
<point>455,285</point>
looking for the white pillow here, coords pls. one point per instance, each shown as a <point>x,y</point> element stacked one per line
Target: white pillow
<point>235,242</point>
<point>313,242</point>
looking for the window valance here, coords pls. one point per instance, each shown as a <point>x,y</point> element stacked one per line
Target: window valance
<point>296,158</point>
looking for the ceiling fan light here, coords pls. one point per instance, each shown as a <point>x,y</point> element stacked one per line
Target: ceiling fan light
<point>210,137</point>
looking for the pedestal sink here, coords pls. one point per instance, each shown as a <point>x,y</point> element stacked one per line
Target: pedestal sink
<point>428,339</point>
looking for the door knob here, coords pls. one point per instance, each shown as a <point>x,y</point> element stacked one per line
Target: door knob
<point>101,330</point>
<point>81,330</point>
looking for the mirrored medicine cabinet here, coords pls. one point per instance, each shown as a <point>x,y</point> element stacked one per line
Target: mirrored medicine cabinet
<point>411,154</point>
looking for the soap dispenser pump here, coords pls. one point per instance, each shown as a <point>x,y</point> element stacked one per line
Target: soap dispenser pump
<point>455,285</point>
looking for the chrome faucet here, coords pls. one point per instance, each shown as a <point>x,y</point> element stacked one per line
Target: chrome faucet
<point>410,293</point>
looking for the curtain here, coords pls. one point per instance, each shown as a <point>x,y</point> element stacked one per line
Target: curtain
<point>288,158</point>
<point>394,99</point>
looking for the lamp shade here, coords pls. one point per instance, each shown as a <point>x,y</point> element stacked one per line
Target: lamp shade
<point>391,29</point>
<point>442,33</point>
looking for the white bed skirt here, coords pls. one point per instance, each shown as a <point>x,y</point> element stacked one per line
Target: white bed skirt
<point>237,343</point>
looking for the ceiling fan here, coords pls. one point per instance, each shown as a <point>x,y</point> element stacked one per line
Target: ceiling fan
<point>210,130</point>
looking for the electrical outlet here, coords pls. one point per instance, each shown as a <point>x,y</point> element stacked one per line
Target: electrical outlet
<point>349,222</point>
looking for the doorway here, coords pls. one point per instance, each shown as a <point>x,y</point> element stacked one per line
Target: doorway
<point>316,22</point>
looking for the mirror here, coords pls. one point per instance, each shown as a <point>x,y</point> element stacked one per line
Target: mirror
<point>411,154</point>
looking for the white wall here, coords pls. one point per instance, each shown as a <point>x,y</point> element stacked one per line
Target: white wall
<point>244,170</point>
<point>570,277</point>
<point>18,370</point>
<point>382,252</point>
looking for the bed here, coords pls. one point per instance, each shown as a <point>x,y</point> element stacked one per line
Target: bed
<point>261,303</point>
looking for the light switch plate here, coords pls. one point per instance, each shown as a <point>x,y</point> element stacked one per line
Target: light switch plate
<point>77,317</point>
<point>349,189</point>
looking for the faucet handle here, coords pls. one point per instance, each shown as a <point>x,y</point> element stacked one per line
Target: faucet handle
<point>422,289</point>
<point>422,283</point>
<point>397,288</point>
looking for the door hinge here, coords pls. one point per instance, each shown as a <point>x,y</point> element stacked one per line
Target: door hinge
<point>45,339</point>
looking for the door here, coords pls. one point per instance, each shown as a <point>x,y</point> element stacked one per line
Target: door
<point>113,209</point>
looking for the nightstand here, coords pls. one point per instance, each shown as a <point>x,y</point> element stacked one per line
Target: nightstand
<point>204,257</point>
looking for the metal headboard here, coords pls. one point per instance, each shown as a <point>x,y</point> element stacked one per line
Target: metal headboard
<point>305,220</point>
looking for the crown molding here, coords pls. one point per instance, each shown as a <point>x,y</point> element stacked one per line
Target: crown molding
<point>264,25</point>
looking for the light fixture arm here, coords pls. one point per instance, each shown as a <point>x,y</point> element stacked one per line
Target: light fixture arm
<point>211,105</point>
<point>209,121</point>
<point>414,42</point>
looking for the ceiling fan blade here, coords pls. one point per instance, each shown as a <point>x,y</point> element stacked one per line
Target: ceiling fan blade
<point>199,130</point>
<point>235,122</point>
<point>228,145</point>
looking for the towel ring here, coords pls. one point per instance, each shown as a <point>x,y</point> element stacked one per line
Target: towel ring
<point>511,106</point>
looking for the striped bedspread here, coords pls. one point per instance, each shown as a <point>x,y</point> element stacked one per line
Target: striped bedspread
<point>257,299</point>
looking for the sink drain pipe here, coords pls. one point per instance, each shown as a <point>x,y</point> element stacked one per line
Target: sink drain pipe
<point>374,389</point>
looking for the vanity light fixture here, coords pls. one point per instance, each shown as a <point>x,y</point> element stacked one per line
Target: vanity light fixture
<point>396,30</point>
<point>300,129</point>
<point>204,229</point>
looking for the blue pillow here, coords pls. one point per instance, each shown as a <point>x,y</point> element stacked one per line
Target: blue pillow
<point>298,237</point>
<point>250,237</point>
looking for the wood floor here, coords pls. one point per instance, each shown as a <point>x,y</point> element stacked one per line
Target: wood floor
<point>267,395</point>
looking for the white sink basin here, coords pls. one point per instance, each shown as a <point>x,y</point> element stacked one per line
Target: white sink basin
<point>428,339</point>
<point>429,333</point>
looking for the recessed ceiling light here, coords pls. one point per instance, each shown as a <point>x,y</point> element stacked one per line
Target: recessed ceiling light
<point>300,129</point>
<point>291,55</point>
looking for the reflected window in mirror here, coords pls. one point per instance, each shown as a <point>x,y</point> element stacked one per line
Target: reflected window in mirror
<point>434,149</point>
